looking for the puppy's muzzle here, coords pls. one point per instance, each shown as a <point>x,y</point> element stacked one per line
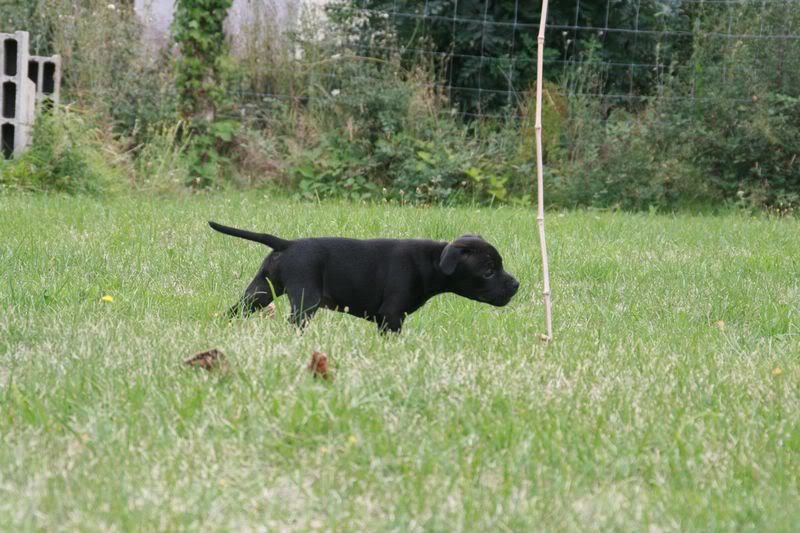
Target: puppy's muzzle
<point>509,289</point>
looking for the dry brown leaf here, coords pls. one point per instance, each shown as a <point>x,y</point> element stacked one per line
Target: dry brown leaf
<point>212,359</point>
<point>319,365</point>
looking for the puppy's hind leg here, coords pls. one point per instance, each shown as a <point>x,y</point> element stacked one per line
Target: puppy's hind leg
<point>258,295</point>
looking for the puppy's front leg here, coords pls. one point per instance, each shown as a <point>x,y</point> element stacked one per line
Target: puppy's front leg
<point>305,302</point>
<point>389,323</point>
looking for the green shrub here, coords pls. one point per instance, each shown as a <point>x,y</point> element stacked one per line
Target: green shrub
<point>161,164</point>
<point>100,45</point>
<point>105,67</point>
<point>68,153</point>
<point>725,126</point>
<point>258,158</point>
<point>751,150</point>
<point>380,132</point>
<point>448,166</point>
<point>334,169</point>
<point>629,161</point>
<point>744,129</point>
<point>145,101</point>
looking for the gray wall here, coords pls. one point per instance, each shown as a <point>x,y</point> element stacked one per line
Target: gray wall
<point>157,15</point>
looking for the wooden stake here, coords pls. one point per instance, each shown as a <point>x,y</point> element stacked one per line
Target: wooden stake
<point>540,172</point>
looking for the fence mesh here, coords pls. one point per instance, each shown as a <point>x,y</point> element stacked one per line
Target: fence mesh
<point>484,51</point>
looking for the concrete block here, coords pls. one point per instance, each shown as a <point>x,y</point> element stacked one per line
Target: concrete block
<point>27,117</point>
<point>45,72</point>
<point>14,53</point>
<point>7,136</point>
<point>18,93</point>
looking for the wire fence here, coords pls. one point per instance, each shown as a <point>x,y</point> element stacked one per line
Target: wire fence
<point>485,51</point>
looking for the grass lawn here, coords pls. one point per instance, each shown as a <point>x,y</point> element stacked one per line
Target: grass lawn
<point>670,399</point>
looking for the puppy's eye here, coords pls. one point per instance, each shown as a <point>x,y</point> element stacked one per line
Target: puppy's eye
<point>488,274</point>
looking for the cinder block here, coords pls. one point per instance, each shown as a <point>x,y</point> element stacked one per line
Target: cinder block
<point>45,72</point>
<point>18,93</point>
<point>9,99</point>
<point>27,110</point>
<point>7,135</point>
<point>15,46</point>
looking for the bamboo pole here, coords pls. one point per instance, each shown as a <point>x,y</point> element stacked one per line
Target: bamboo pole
<point>540,173</point>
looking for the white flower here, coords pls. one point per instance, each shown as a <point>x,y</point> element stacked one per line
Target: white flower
<point>112,7</point>
<point>335,92</point>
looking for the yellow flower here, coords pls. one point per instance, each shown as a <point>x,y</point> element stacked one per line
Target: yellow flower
<point>107,298</point>
<point>777,371</point>
<point>352,439</point>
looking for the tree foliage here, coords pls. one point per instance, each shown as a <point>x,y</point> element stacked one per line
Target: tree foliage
<point>201,68</point>
<point>491,45</point>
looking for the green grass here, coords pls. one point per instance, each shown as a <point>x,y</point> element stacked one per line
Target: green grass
<point>642,415</point>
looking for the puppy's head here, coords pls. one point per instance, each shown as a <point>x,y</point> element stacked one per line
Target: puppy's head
<point>474,270</point>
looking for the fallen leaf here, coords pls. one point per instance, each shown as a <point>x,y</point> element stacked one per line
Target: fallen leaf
<point>319,365</point>
<point>777,371</point>
<point>212,359</point>
<point>720,325</point>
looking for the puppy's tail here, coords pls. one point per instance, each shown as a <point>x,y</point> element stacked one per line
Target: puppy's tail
<point>272,241</point>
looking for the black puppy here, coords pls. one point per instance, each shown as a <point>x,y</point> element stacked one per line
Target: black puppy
<point>382,280</point>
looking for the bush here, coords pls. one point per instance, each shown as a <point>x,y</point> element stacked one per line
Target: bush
<point>161,164</point>
<point>628,161</point>
<point>69,153</point>
<point>723,128</point>
<point>105,67</point>
<point>751,150</point>
<point>744,129</point>
<point>358,119</point>
<point>383,136</point>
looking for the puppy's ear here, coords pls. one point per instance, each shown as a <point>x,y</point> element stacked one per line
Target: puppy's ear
<point>450,257</point>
